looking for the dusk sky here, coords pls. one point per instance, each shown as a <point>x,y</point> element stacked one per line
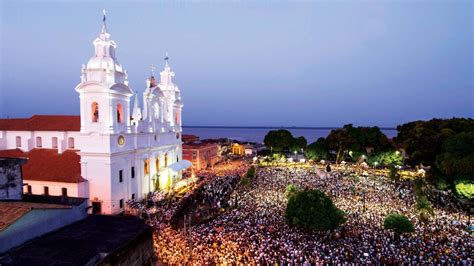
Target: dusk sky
<point>252,63</point>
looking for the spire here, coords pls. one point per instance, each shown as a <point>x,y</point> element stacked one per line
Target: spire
<point>166,61</point>
<point>104,35</point>
<point>136,114</point>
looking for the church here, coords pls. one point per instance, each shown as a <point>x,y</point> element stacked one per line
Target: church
<point>112,152</point>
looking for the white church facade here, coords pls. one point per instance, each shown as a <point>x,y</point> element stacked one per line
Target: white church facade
<point>112,152</point>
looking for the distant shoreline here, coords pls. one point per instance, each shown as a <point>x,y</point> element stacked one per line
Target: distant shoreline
<point>273,127</point>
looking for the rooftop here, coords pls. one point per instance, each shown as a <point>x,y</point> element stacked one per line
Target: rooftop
<point>48,165</point>
<point>42,123</point>
<point>79,243</point>
<point>197,145</point>
<point>11,211</point>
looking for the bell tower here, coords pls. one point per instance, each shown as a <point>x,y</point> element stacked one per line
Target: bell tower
<point>104,93</point>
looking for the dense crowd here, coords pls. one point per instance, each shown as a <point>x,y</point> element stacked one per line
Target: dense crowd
<point>253,228</point>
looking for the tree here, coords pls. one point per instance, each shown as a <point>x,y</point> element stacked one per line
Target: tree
<point>299,144</point>
<point>339,140</point>
<point>398,223</point>
<point>386,158</point>
<point>423,140</point>
<point>278,140</point>
<point>313,210</point>
<point>317,150</point>
<point>457,157</point>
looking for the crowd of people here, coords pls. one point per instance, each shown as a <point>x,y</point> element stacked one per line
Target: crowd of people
<point>253,229</point>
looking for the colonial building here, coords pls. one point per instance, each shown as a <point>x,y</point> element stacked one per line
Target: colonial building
<point>201,155</point>
<point>111,152</point>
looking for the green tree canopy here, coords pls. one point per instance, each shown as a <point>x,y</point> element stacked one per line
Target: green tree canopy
<point>386,158</point>
<point>313,210</point>
<point>317,150</point>
<point>299,144</point>
<point>278,140</point>
<point>398,223</point>
<point>357,140</point>
<point>457,157</point>
<point>423,140</point>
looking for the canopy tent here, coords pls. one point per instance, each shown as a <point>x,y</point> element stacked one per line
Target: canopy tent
<point>181,165</point>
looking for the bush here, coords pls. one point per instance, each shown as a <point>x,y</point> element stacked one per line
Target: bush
<point>398,223</point>
<point>313,210</point>
<point>464,188</point>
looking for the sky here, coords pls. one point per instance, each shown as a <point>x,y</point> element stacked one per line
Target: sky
<point>252,63</point>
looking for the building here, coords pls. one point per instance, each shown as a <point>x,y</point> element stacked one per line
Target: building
<point>93,240</point>
<point>35,215</point>
<point>111,152</point>
<point>238,149</point>
<point>201,155</point>
<point>11,181</point>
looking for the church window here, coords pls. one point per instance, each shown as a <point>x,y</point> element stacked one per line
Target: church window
<point>119,113</point>
<point>133,171</point>
<point>166,160</point>
<point>121,204</point>
<point>121,176</point>
<point>95,112</point>
<point>70,143</point>
<point>54,142</point>
<point>146,166</point>
<point>39,143</point>
<point>176,117</point>
<point>133,196</point>
<point>18,141</point>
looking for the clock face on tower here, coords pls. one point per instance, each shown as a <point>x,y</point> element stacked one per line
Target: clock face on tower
<point>121,140</point>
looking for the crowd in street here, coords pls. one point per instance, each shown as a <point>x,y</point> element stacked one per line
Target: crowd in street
<point>253,227</point>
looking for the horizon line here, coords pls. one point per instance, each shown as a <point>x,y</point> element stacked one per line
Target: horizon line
<point>276,127</point>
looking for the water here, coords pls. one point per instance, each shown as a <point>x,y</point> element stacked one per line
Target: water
<point>258,134</point>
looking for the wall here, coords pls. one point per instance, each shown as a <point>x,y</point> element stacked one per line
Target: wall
<point>78,190</point>
<point>11,178</point>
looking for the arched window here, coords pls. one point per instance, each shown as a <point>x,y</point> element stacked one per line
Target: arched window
<point>95,112</point>
<point>166,160</point>
<point>146,167</point>
<point>157,163</point>
<point>119,113</point>
<point>176,117</point>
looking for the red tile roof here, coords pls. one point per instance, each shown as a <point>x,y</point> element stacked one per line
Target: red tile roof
<point>42,123</point>
<point>49,165</point>
<point>12,211</point>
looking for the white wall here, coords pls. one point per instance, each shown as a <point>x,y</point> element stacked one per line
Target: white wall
<point>78,190</point>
